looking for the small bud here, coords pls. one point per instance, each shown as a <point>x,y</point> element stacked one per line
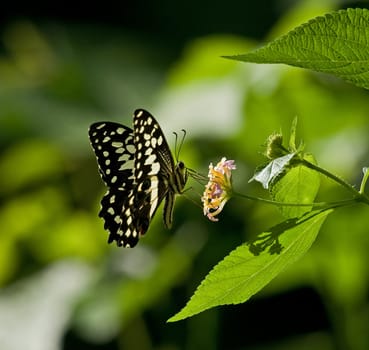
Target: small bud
<point>274,147</point>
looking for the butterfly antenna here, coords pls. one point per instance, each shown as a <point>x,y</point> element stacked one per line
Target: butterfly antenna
<point>200,178</point>
<point>178,146</point>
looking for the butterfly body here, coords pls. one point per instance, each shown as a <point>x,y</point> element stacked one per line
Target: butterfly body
<point>139,170</point>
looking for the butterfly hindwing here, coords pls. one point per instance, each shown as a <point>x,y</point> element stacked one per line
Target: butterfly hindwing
<point>139,170</point>
<point>114,148</point>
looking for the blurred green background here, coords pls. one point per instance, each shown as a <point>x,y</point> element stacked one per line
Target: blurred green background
<point>62,285</point>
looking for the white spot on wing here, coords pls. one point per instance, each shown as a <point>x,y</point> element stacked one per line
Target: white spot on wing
<point>155,167</point>
<point>154,194</point>
<point>111,211</point>
<point>131,148</point>
<point>123,158</point>
<point>127,165</point>
<point>150,159</point>
<point>117,144</point>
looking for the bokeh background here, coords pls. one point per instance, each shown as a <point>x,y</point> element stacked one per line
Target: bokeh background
<point>63,67</point>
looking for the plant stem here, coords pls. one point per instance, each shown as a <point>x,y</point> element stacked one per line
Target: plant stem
<point>325,205</point>
<point>358,196</point>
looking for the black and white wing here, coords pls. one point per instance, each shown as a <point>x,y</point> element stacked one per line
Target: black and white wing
<point>114,149</point>
<point>139,170</point>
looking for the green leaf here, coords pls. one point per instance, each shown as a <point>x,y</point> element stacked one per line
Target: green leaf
<point>337,43</point>
<point>299,184</point>
<point>242,273</point>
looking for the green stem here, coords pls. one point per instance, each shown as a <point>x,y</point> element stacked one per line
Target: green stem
<point>359,196</point>
<point>324,205</point>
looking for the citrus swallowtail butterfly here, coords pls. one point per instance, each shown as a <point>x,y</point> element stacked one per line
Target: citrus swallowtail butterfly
<point>139,170</point>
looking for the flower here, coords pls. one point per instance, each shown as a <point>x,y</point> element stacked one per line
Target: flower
<point>219,188</point>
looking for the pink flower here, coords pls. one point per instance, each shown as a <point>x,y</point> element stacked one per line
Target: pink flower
<point>219,188</point>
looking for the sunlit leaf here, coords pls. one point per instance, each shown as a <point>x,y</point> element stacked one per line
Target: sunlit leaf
<point>243,273</point>
<point>299,184</point>
<point>336,44</point>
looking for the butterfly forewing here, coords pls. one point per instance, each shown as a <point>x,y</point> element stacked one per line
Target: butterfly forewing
<point>139,170</point>
<point>154,166</point>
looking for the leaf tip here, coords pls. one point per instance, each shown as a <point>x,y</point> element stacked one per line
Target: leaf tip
<point>177,317</point>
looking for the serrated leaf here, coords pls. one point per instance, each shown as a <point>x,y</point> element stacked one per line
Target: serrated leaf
<point>272,170</point>
<point>299,184</point>
<point>241,274</point>
<point>337,43</point>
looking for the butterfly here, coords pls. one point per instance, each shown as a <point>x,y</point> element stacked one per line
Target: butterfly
<point>138,168</point>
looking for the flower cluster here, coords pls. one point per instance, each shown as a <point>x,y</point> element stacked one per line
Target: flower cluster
<point>219,188</point>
